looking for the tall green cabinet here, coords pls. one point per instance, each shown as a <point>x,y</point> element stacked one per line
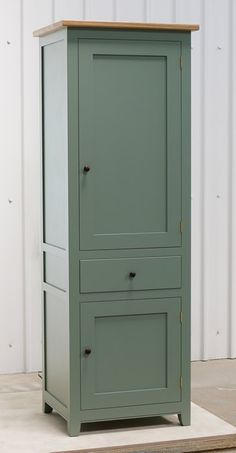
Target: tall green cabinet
<point>116,220</point>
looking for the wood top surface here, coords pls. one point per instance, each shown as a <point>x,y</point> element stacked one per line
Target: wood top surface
<point>114,25</point>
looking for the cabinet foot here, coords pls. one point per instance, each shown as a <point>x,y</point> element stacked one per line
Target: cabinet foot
<point>73,429</point>
<point>47,409</point>
<point>184,418</point>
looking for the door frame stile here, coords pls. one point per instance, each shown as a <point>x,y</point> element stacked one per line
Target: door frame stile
<point>74,420</point>
<point>186,218</point>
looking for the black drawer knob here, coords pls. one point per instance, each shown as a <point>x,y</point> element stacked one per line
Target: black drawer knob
<point>132,274</point>
<point>87,351</point>
<point>86,168</point>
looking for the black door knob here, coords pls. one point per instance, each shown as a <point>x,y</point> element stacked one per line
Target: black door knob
<point>132,274</point>
<point>87,351</point>
<point>86,168</point>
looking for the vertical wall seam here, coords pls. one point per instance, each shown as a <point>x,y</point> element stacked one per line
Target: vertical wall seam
<point>230,184</point>
<point>174,10</point>
<point>25,323</point>
<point>114,10</point>
<point>233,118</point>
<point>145,10</point>
<point>203,347</point>
<point>84,10</point>
<point>53,10</point>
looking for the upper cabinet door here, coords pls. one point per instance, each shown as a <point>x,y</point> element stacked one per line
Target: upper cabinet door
<point>129,144</point>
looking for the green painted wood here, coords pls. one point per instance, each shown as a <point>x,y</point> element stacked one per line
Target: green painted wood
<point>74,418</point>
<point>114,274</point>
<point>55,270</point>
<point>135,353</point>
<point>54,197</point>
<point>130,253</point>
<point>52,402</point>
<point>56,348</point>
<point>186,215</point>
<point>119,213</point>
<point>140,411</point>
<point>129,104</point>
<point>54,144</point>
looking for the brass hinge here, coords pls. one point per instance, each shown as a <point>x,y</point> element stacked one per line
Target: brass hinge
<point>181,227</point>
<point>181,62</point>
<point>181,381</point>
<point>181,317</point>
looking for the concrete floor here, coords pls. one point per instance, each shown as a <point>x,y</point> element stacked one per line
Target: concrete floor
<point>214,387</point>
<point>24,428</point>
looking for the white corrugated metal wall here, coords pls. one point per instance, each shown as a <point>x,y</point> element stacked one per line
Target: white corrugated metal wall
<point>213,167</point>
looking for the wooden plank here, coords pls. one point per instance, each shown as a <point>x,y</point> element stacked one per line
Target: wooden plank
<point>171,446</point>
<point>114,25</point>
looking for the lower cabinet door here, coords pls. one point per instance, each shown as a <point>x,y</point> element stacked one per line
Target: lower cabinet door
<point>130,352</point>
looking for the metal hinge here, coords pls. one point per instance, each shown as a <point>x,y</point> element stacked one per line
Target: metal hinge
<point>181,381</point>
<point>181,62</point>
<point>181,317</point>
<point>181,227</point>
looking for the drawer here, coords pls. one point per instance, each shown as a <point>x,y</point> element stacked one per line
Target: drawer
<point>127,274</point>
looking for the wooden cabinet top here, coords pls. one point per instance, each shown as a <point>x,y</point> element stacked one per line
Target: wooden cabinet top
<point>114,25</point>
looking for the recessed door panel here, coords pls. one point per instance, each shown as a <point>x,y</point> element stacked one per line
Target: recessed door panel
<point>130,352</point>
<point>129,144</point>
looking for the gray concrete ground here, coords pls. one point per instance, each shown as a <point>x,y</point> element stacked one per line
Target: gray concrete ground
<point>214,387</point>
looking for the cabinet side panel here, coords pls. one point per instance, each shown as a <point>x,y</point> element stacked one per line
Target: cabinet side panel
<point>55,219</point>
<point>56,347</point>
<point>54,143</point>
<point>55,270</point>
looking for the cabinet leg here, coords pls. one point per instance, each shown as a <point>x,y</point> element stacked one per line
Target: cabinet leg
<point>46,408</point>
<point>184,418</point>
<point>73,428</point>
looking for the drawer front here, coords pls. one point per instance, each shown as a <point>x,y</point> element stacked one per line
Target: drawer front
<point>127,274</point>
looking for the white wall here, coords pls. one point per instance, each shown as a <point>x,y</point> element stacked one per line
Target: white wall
<point>213,167</point>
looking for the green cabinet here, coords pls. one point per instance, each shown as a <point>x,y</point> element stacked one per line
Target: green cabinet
<point>115,220</point>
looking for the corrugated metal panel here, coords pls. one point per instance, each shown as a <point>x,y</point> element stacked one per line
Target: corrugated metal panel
<point>213,166</point>
<point>216,177</point>
<point>11,196</point>
<point>34,14</point>
<point>232,182</point>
